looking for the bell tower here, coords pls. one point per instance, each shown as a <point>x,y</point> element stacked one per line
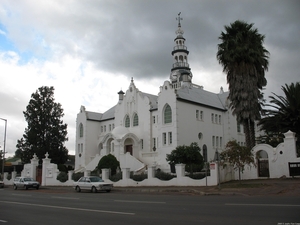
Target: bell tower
<point>181,71</point>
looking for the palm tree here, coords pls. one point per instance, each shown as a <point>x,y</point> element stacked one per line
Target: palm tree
<point>283,113</point>
<point>244,60</point>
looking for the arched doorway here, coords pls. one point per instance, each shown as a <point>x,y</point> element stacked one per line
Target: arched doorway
<point>128,146</point>
<point>263,164</point>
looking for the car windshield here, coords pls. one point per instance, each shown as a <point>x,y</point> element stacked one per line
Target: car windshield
<point>96,179</point>
<point>28,179</point>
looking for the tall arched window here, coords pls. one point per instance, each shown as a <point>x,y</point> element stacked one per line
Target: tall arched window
<point>135,120</point>
<point>127,121</point>
<point>168,114</point>
<point>80,130</point>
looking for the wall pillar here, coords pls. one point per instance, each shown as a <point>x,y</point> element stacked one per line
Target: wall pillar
<point>46,162</point>
<point>70,173</point>
<point>87,173</point>
<point>125,173</point>
<point>151,172</point>
<point>105,174</point>
<point>34,163</point>
<point>180,170</point>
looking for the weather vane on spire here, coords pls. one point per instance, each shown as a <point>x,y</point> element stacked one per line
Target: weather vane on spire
<point>179,18</point>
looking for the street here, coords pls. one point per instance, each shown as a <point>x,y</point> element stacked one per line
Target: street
<point>32,207</point>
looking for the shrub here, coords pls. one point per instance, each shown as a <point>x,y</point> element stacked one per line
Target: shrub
<point>62,168</point>
<point>138,177</point>
<point>62,177</point>
<point>95,172</point>
<point>77,176</point>
<point>109,162</point>
<point>116,177</point>
<point>197,176</point>
<point>163,176</point>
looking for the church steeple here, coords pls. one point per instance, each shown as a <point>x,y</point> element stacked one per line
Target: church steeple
<point>180,71</point>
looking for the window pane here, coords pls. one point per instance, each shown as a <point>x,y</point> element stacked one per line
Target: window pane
<point>127,121</point>
<point>135,120</point>
<point>168,114</point>
<point>81,130</point>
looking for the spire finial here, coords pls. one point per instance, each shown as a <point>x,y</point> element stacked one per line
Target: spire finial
<point>179,18</point>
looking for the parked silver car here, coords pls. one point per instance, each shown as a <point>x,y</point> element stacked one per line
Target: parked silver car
<point>93,184</point>
<point>25,182</point>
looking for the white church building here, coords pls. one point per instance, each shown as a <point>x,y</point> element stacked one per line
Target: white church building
<point>141,128</point>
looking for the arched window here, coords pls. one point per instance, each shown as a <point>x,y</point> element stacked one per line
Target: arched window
<point>135,120</point>
<point>127,121</point>
<point>168,114</point>
<point>80,130</point>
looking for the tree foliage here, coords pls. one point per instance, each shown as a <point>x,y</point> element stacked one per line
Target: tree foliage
<point>46,131</point>
<point>189,155</point>
<point>283,113</point>
<point>109,162</point>
<point>244,60</point>
<point>237,156</point>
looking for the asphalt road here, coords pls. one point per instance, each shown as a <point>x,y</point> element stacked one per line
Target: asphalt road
<point>22,207</point>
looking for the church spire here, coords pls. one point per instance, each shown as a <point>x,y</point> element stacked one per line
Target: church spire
<point>180,71</point>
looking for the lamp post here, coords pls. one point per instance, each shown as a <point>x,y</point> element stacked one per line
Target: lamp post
<point>217,159</point>
<point>3,160</point>
<point>154,149</point>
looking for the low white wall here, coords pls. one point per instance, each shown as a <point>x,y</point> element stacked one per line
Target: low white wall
<point>180,180</point>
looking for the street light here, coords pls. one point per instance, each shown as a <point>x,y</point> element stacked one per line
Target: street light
<point>3,161</point>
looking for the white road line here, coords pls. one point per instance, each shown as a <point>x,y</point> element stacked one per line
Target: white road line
<point>65,198</point>
<point>275,205</point>
<point>3,221</point>
<point>146,202</point>
<point>70,208</point>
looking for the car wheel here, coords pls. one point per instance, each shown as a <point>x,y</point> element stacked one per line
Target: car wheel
<point>26,187</point>
<point>78,189</point>
<point>107,190</point>
<point>37,188</point>
<point>94,190</point>
<point>15,187</point>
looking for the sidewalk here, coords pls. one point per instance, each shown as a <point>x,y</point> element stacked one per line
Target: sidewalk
<point>264,187</point>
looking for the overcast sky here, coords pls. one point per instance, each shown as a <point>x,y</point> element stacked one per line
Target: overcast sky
<point>89,50</point>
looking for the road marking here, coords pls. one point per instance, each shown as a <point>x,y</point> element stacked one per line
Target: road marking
<point>275,205</point>
<point>65,198</point>
<point>3,221</point>
<point>147,202</point>
<point>70,208</point>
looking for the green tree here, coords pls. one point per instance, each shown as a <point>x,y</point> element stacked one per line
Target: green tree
<point>244,60</point>
<point>283,113</point>
<point>109,162</point>
<point>189,155</point>
<point>237,156</point>
<point>46,131</point>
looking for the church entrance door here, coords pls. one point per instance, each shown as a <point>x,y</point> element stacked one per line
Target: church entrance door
<point>128,148</point>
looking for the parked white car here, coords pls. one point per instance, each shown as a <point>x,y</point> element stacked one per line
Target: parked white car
<point>93,184</point>
<point>25,182</point>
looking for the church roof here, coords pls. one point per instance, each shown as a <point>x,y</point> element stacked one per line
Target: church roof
<point>152,99</point>
<point>93,116</point>
<point>199,96</point>
<point>109,114</point>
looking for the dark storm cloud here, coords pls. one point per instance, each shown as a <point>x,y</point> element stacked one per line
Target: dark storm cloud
<point>137,40</point>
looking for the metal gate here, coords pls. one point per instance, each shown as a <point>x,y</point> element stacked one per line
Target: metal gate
<point>39,172</point>
<point>263,168</point>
